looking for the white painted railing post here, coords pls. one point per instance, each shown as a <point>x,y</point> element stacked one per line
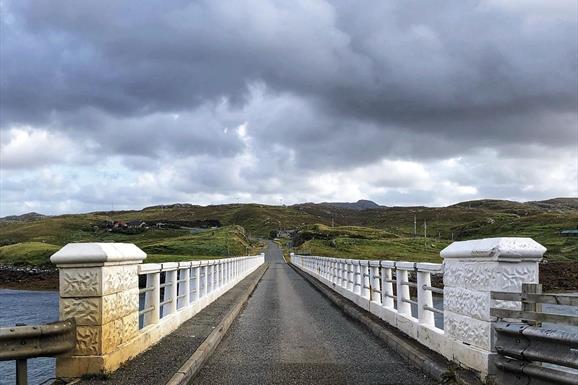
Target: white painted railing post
<point>197,282</point>
<point>185,286</point>
<point>171,288</point>
<point>99,289</point>
<point>424,296</point>
<point>365,282</point>
<point>402,277</point>
<point>472,270</point>
<point>205,280</point>
<point>152,297</point>
<point>387,294</point>
<point>374,279</point>
<point>350,276</point>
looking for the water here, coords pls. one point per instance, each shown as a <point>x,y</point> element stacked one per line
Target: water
<point>28,307</point>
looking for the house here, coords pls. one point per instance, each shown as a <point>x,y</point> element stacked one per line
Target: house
<point>136,224</point>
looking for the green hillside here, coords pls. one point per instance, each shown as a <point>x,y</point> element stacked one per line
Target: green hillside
<point>383,232</point>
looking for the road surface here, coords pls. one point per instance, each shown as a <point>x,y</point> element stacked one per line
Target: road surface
<point>289,333</point>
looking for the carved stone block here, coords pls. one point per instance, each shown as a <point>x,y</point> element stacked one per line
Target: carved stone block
<point>80,282</point>
<point>489,276</point>
<point>86,311</point>
<point>119,304</point>
<point>469,330</point>
<point>88,341</point>
<point>119,278</point>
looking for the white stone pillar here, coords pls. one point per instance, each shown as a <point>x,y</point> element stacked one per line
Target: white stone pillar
<point>364,278</point>
<point>205,280</point>
<point>402,277</point>
<point>374,278</point>
<point>99,289</point>
<point>197,282</point>
<point>472,270</point>
<point>424,295</point>
<point>386,284</point>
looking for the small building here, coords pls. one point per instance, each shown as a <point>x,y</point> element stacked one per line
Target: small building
<point>569,233</point>
<point>137,224</point>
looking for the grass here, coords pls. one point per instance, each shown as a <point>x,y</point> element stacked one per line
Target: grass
<point>160,245</point>
<point>367,243</point>
<point>27,253</point>
<point>375,233</point>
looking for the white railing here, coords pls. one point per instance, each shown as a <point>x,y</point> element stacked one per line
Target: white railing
<point>175,286</point>
<point>383,284</point>
<point>461,327</point>
<point>117,318</point>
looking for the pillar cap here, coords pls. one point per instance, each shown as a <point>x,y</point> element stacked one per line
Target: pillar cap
<point>510,249</point>
<point>90,253</point>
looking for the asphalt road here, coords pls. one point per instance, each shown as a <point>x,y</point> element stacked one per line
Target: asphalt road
<point>289,333</point>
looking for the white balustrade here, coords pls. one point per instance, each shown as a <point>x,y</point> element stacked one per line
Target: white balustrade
<point>401,293</point>
<point>99,287</point>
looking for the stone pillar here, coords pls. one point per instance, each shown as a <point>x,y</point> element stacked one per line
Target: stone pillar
<point>472,270</point>
<point>99,289</point>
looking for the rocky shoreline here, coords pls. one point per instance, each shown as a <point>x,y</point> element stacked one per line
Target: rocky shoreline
<point>28,277</point>
<point>554,276</point>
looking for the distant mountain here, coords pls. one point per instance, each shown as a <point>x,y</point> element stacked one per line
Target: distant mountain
<point>23,218</point>
<point>361,204</point>
<point>557,203</point>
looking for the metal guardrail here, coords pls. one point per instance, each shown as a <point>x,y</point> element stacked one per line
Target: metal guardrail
<point>528,352</point>
<point>22,342</point>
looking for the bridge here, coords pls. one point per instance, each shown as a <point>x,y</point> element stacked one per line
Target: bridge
<point>474,319</point>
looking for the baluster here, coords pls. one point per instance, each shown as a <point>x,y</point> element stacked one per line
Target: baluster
<point>402,277</point>
<point>386,284</point>
<point>153,299</point>
<point>374,279</point>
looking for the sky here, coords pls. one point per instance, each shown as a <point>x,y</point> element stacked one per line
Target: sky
<point>114,104</point>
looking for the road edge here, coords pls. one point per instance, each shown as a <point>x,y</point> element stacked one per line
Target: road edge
<point>430,362</point>
<point>195,362</point>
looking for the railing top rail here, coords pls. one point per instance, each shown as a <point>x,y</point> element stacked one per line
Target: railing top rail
<point>545,298</point>
<point>47,340</point>
<point>402,265</point>
<point>147,268</point>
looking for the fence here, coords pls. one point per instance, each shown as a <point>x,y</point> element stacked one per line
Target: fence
<point>531,353</point>
<point>402,294</point>
<point>117,318</point>
<point>22,342</point>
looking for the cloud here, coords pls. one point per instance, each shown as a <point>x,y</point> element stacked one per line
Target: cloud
<point>212,101</point>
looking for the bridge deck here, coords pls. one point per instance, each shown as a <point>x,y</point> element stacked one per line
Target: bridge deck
<point>290,334</point>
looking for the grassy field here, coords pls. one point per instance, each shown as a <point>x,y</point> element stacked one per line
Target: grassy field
<point>160,245</point>
<point>385,232</point>
<point>367,243</point>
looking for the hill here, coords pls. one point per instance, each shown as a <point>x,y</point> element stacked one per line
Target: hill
<point>32,216</point>
<point>540,220</point>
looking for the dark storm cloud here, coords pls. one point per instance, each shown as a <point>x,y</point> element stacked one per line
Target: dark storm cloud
<point>461,68</point>
<point>319,87</point>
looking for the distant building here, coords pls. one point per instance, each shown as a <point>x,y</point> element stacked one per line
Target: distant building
<point>569,233</point>
<point>136,224</point>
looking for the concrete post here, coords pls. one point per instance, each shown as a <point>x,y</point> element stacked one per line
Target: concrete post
<point>197,283</point>
<point>386,284</point>
<point>472,270</point>
<point>99,289</point>
<point>171,290</point>
<point>205,280</point>
<point>401,277</point>
<point>365,282</point>
<point>424,296</point>
<point>374,277</point>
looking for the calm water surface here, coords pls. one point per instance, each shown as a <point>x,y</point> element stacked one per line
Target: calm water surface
<point>28,307</point>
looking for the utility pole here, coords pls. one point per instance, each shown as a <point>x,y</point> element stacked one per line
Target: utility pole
<point>424,234</point>
<point>414,226</point>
